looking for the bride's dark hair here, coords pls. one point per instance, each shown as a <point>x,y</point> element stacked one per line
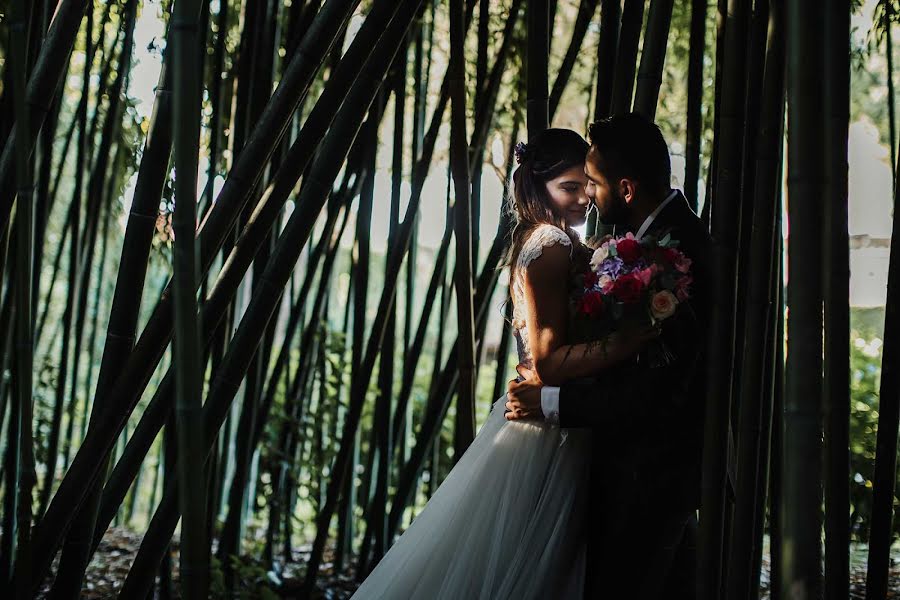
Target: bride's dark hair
<point>546,156</point>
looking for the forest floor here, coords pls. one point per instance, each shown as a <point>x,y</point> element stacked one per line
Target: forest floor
<point>112,560</point>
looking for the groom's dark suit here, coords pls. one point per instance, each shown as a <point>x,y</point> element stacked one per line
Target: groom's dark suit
<point>648,435</point>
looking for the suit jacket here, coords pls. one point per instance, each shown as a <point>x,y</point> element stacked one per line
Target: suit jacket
<point>648,422</point>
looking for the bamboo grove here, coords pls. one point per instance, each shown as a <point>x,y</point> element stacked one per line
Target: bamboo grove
<point>238,356</point>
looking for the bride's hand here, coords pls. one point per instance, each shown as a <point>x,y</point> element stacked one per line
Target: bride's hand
<point>524,397</point>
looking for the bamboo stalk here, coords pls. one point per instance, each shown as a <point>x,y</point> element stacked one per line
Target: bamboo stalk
<point>465,416</point>
<point>187,346</point>
<point>885,472</point>
<point>837,303</point>
<point>803,372</point>
<point>607,52</point>
<point>755,389</point>
<point>84,467</point>
<point>694,125</point>
<point>537,102</point>
<point>21,449</point>
<point>586,11</point>
<point>626,58</point>
<point>277,273</point>
<point>653,56</point>
<point>725,235</point>
<point>48,71</point>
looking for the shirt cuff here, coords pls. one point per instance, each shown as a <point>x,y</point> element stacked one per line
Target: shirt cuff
<point>550,403</point>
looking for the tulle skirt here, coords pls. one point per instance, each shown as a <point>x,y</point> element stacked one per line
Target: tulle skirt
<point>507,522</point>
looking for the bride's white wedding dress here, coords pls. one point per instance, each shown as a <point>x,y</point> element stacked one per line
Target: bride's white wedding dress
<point>507,522</point>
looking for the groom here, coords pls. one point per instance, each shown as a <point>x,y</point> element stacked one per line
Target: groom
<point>647,423</point>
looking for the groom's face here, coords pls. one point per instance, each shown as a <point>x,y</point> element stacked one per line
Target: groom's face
<point>611,204</point>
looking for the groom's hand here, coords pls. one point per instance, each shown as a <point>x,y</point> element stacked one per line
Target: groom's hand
<point>523,398</point>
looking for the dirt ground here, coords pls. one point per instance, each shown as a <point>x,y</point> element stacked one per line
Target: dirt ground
<point>110,565</point>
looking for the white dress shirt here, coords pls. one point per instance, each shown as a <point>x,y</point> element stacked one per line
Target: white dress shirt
<point>549,393</point>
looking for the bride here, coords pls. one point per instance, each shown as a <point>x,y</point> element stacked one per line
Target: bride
<point>507,522</point>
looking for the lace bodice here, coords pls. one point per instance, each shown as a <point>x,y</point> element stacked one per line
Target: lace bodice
<point>543,236</point>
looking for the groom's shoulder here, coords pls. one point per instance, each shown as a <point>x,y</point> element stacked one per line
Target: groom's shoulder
<point>690,231</point>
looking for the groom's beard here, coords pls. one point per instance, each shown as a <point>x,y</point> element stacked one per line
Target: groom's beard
<point>616,212</point>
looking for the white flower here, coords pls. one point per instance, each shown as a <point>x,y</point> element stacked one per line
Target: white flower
<point>600,254</point>
<point>663,304</point>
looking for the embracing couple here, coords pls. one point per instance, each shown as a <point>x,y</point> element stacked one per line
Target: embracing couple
<point>585,480</point>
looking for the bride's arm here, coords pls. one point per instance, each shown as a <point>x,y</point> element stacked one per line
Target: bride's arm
<point>547,311</point>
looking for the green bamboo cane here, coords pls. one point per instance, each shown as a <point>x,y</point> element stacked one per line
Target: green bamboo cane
<point>386,365</point>
<point>887,10</point>
<point>465,417</point>
<point>653,56</point>
<point>290,243</point>
<point>537,102</point>
<point>238,186</point>
<point>586,11</point>
<point>75,212</point>
<point>802,498</point>
<point>75,555</point>
<point>607,52</point>
<point>837,303</point>
<point>215,99</point>
<point>441,393</point>
<point>694,121</point>
<point>885,472</point>
<point>42,84</point>
<point>21,451</point>
<point>626,57</point>
<point>725,233</point>
<point>187,346</point>
<point>761,308</point>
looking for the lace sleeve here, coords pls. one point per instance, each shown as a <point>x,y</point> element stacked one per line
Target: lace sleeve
<point>542,237</point>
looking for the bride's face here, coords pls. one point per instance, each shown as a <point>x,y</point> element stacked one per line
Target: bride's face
<point>569,196</point>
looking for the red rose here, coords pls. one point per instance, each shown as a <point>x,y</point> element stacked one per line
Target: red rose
<point>591,304</point>
<point>627,288</point>
<point>671,255</point>
<point>590,279</point>
<point>628,250</point>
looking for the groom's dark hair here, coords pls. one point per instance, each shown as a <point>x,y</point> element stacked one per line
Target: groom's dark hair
<point>631,146</point>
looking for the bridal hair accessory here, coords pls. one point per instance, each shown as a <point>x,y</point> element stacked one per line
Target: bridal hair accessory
<point>522,152</point>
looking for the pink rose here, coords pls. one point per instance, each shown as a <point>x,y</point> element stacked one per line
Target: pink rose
<point>645,275</point>
<point>662,305</point>
<point>681,287</point>
<point>683,264</point>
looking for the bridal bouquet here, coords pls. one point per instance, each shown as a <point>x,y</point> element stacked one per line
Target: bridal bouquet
<point>632,281</point>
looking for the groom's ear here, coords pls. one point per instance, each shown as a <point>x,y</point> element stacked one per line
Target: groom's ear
<point>627,189</point>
